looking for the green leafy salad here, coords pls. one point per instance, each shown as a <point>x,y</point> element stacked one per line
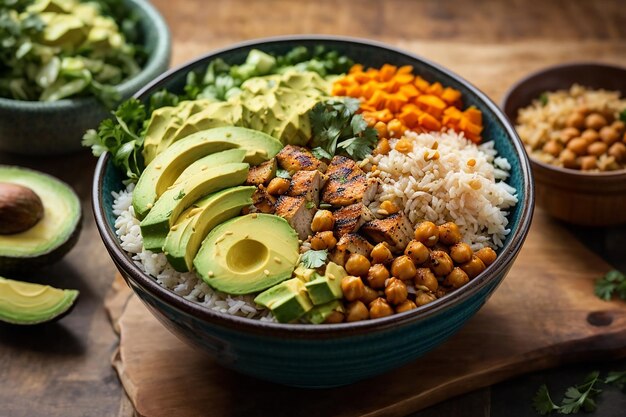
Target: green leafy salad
<point>55,49</point>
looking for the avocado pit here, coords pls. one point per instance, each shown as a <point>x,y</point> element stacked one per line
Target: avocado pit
<point>20,208</point>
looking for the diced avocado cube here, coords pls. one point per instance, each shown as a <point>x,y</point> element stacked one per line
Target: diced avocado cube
<point>319,314</point>
<point>288,301</point>
<point>305,274</point>
<point>327,287</point>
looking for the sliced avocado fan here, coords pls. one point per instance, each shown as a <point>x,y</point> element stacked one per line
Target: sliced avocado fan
<point>27,303</point>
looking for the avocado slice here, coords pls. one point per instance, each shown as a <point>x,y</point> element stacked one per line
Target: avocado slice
<point>27,303</point>
<point>319,314</point>
<point>288,301</point>
<point>325,288</point>
<point>51,237</point>
<point>248,254</point>
<point>186,236</point>
<point>211,161</point>
<point>174,201</point>
<point>167,166</point>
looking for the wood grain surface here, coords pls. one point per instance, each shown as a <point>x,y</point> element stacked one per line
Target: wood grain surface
<point>544,314</point>
<point>64,370</point>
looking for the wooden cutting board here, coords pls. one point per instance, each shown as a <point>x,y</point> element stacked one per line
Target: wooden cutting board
<point>544,314</point>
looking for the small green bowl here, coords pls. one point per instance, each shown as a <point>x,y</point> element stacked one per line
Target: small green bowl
<point>53,128</point>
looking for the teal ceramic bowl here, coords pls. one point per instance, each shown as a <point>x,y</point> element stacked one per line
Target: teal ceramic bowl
<point>337,354</point>
<point>37,128</point>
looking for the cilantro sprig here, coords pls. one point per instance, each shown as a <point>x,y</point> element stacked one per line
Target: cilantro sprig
<point>314,258</point>
<point>576,397</point>
<point>337,129</point>
<point>613,283</point>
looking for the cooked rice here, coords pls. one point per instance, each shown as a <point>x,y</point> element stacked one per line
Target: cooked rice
<point>475,197</point>
<point>188,284</point>
<point>537,124</point>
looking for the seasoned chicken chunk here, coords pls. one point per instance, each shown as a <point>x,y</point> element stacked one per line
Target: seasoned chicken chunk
<point>350,218</point>
<point>262,174</point>
<point>307,184</point>
<point>295,211</point>
<point>263,201</point>
<point>296,158</point>
<point>353,243</point>
<point>396,230</point>
<point>347,183</point>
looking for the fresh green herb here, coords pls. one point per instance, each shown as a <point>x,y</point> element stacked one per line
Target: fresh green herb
<point>622,116</point>
<point>283,173</point>
<point>577,397</point>
<point>543,99</point>
<point>314,258</point>
<point>180,195</point>
<point>337,129</point>
<point>616,378</point>
<point>614,282</point>
<point>309,204</point>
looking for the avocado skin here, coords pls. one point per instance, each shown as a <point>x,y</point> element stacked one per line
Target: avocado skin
<point>18,264</point>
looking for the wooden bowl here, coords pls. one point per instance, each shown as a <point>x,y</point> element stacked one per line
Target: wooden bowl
<point>583,198</point>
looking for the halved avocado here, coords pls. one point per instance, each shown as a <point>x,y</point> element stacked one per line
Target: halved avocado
<point>51,237</point>
<point>248,254</point>
<point>186,236</point>
<point>27,303</point>
<point>173,202</point>
<point>167,166</point>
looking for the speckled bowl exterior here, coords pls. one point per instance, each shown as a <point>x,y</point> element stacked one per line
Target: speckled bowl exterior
<point>37,128</point>
<point>325,355</point>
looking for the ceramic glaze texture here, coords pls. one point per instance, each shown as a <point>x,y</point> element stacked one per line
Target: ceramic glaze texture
<point>52,128</point>
<point>325,355</point>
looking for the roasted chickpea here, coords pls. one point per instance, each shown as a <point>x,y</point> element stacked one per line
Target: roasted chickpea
<point>474,267</point>
<point>394,127</point>
<point>278,186</point>
<point>578,146</point>
<point>576,120</point>
<point>352,287</point>
<point>381,254</point>
<point>553,148</point>
<point>389,207</point>
<point>461,253</point>
<point>369,295</point>
<point>618,151</point>
<point>441,291</point>
<point>597,148</point>
<point>595,121</point>
<point>424,278</point>
<point>427,233</point>
<point>487,255</point>
<point>380,308</point>
<point>356,311</point>
<point>383,147</point>
<point>618,125</point>
<point>377,275</point>
<point>403,268</point>
<point>323,240</point>
<point>456,279</point>
<point>381,128</point>
<point>322,221</point>
<point>396,291</point>
<point>568,158</point>
<point>404,145</point>
<point>590,136</point>
<point>440,263</point>
<point>588,162</point>
<point>357,265</point>
<point>449,233</point>
<point>417,251</point>
<point>406,305</point>
<point>609,135</point>
<point>334,317</point>
<point>424,298</point>
<point>569,133</point>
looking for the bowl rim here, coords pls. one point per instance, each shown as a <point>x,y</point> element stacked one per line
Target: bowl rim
<point>307,331</point>
<point>619,174</point>
<point>127,87</point>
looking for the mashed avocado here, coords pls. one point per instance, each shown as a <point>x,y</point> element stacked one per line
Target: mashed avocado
<point>275,104</point>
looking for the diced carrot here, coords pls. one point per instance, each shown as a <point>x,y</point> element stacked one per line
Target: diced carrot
<point>338,90</point>
<point>409,118</point>
<point>387,71</point>
<point>409,90</point>
<point>435,88</point>
<point>404,78</point>
<point>474,115</point>
<point>356,68</point>
<point>405,69</point>
<point>421,83</point>
<point>354,90</point>
<point>427,100</point>
<point>450,95</point>
<point>429,122</point>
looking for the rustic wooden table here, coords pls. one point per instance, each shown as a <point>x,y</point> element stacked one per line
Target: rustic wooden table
<point>63,369</point>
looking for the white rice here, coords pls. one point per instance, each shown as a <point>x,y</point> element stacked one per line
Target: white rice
<point>188,284</point>
<point>475,197</point>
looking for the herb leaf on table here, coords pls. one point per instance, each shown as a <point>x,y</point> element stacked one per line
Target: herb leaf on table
<point>616,378</point>
<point>614,282</point>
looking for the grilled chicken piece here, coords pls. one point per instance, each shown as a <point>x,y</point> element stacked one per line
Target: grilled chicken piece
<point>295,211</point>
<point>347,183</point>
<point>350,218</point>
<point>396,230</point>
<point>307,184</point>
<point>353,243</point>
<point>264,202</point>
<point>296,158</point>
<point>262,174</point>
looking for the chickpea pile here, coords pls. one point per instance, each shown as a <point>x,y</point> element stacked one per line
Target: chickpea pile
<point>434,263</point>
<point>590,141</point>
